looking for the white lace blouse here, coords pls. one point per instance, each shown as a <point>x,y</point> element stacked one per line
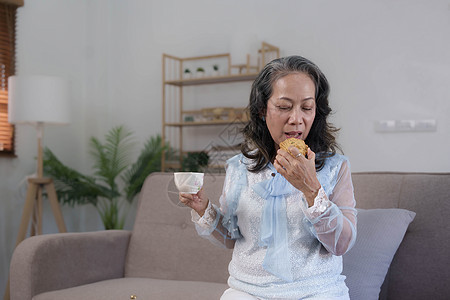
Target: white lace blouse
<point>282,248</point>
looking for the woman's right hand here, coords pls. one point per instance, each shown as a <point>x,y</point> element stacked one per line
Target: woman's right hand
<point>198,202</point>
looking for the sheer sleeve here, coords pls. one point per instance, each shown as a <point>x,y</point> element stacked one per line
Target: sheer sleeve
<point>208,226</point>
<point>219,225</point>
<point>333,220</point>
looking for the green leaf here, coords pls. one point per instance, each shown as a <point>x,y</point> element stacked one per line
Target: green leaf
<point>149,161</point>
<point>195,161</point>
<point>111,162</point>
<point>112,157</point>
<point>73,187</point>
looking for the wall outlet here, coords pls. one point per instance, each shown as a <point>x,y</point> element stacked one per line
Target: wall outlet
<point>405,125</point>
<point>385,126</point>
<point>426,125</point>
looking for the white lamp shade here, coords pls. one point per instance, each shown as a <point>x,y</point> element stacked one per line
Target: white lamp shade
<point>38,99</point>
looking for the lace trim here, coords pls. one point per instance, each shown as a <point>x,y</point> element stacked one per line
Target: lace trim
<point>207,220</point>
<point>321,204</point>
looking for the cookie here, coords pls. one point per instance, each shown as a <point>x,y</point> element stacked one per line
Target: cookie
<point>298,143</point>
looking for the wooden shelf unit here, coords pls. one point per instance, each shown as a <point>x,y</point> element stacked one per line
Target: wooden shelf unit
<point>213,79</point>
<point>173,81</point>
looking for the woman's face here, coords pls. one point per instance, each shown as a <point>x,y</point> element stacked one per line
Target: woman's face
<point>292,108</point>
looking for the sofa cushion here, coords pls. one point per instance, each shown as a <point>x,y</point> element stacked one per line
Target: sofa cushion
<point>380,232</point>
<point>142,288</point>
<point>165,244</point>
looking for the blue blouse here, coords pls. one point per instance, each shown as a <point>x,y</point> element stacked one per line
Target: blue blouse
<point>283,249</point>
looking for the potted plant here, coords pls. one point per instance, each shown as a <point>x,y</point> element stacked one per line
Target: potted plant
<point>200,72</point>
<point>187,73</point>
<point>215,71</point>
<point>115,182</point>
<point>195,161</point>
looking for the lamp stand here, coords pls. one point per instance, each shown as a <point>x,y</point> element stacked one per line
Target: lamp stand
<point>32,210</point>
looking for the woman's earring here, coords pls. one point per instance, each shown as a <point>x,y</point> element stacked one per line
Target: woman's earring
<point>263,118</point>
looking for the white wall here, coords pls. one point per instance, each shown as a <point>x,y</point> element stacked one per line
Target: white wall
<point>384,60</point>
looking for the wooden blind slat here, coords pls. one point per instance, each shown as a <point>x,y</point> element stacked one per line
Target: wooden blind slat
<point>7,66</point>
<point>12,2</point>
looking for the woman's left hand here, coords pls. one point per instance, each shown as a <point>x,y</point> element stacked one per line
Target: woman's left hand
<point>299,171</point>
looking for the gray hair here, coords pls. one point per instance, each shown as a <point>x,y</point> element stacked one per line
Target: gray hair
<point>258,143</point>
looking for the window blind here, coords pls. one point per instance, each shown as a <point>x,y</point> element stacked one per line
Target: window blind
<point>7,68</point>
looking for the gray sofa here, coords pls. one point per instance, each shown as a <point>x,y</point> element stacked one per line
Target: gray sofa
<point>163,258</point>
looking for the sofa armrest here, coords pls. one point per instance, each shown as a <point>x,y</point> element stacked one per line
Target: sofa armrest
<point>57,261</point>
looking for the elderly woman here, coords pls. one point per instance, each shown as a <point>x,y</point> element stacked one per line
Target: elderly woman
<point>289,218</point>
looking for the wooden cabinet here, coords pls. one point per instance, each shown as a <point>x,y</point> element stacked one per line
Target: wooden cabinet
<point>176,118</point>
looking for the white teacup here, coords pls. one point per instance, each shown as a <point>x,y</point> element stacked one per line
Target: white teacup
<point>188,182</point>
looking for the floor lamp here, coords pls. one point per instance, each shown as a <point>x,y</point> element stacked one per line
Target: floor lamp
<point>38,100</point>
